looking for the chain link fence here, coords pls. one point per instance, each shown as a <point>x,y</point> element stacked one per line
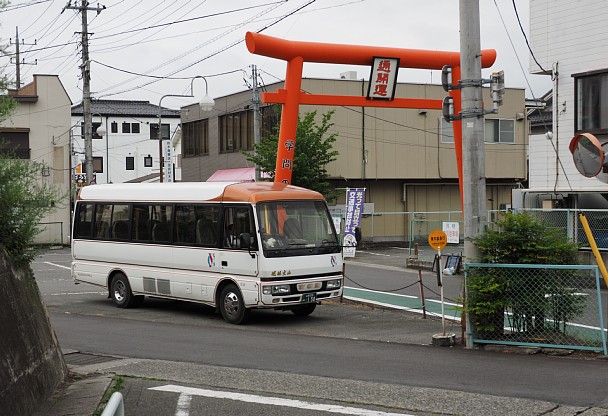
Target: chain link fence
<point>536,305</point>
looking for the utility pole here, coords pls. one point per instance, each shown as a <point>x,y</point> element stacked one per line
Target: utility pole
<point>473,158</point>
<point>17,63</point>
<point>86,85</point>
<point>256,115</point>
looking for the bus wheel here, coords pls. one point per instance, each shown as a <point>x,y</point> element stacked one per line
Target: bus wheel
<point>232,305</point>
<point>304,310</point>
<point>121,291</point>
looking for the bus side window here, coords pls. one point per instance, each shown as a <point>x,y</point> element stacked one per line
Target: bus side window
<point>84,221</point>
<point>207,221</point>
<point>162,228</point>
<point>238,220</point>
<point>140,223</point>
<point>103,216</point>
<point>184,224</point>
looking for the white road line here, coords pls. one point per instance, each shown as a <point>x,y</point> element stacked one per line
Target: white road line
<point>75,293</point>
<point>57,265</point>
<point>377,254</point>
<point>183,405</point>
<point>274,401</point>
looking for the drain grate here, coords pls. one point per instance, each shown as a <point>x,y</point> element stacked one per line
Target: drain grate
<point>79,358</point>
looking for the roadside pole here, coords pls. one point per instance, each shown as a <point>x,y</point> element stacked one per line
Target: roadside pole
<point>438,240</point>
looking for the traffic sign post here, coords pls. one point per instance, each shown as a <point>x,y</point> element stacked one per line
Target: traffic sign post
<point>438,240</point>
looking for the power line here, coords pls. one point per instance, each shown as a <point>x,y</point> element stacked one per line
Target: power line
<point>188,20</point>
<point>526,38</point>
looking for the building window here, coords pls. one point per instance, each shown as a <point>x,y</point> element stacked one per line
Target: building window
<point>591,102</point>
<point>499,131</point>
<point>196,138</point>
<point>126,127</point>
<point>148,161</point>
<point>446,131</point>
<point>15,143</point>
<point>97,164</point>
<point>165,128</point>
<point>236,131</point>
<point>114,127</point>
<point>135,128</point>
<point>130,162</point>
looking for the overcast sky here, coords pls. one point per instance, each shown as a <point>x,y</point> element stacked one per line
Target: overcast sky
<point>138,46</point>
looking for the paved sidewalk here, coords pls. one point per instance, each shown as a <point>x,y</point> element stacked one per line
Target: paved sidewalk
<point>146,383</point>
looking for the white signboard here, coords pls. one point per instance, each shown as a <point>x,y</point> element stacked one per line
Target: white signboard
<point>168,161</point>
<point>383,79</point>
<point>452,231</point>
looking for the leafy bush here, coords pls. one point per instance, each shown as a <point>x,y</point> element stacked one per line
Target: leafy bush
<point>23,203</point>
<point>537,299</point>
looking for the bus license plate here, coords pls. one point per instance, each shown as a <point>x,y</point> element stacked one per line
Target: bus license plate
<point>309,297</point>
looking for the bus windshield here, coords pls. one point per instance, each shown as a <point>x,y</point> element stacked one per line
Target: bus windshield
<point>292,228</point>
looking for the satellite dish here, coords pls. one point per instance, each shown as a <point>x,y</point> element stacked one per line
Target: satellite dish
<point>588,154</point>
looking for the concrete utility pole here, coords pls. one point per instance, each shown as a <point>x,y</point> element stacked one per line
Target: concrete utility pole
<point>256,115</point>
<point>86,85</point>
<point>473,159</point>
<point>18,63</point>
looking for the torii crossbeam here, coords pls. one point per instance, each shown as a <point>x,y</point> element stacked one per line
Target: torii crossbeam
<point>296,53</point>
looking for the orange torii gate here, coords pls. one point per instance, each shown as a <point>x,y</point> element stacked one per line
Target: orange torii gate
<point>296,53</point>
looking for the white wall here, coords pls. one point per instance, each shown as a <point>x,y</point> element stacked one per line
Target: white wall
<point>116,147</point>
<point>570,36</point>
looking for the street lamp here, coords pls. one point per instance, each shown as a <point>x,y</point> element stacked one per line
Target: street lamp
<point>206,104</point>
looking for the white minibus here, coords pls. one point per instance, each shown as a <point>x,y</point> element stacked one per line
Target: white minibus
<point>234,246</point>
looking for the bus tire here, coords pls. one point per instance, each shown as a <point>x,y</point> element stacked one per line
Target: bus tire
<point>304,310</point>
<point>232,305</point>
<point>121,292</point>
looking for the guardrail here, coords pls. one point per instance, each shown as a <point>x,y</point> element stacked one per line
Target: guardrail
<point>115,406</point>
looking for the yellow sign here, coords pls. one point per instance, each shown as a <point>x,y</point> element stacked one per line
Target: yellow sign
<point>438,239</point>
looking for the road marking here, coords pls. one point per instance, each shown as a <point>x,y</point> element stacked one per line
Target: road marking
<point>75,293</point>
<point>376,254</point>
<point>274,401</point>
<point>183,405</point>
<point>57,265</point>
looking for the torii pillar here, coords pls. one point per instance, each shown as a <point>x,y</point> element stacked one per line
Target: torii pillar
<point>296,53</point>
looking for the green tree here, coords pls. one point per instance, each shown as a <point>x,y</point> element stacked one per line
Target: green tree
<point>313,152</point>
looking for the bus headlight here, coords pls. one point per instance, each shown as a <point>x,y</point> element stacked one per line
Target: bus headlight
<point>333,284</point>
<point>276,290</point>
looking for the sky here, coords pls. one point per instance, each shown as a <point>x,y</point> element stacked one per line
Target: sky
<point>144,49</point>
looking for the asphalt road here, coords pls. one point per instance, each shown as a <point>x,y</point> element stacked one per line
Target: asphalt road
<point>339,342</point>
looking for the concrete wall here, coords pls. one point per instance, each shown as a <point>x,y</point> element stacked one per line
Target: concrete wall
<point>48,119</point>
<point>32,364</point>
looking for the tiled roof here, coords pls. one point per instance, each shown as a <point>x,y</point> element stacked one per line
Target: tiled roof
<point>125,108</point>
<point>543,117</point>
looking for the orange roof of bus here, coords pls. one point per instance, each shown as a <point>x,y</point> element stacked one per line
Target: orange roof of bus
<point>196,191</point>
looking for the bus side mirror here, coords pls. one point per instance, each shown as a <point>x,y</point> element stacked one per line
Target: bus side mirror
<point>245,240</point>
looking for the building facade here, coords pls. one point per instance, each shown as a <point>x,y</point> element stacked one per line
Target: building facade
<point>576,58</point>
<point>129,150</point>
<point>405,158</point>
<point>39,131</point>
